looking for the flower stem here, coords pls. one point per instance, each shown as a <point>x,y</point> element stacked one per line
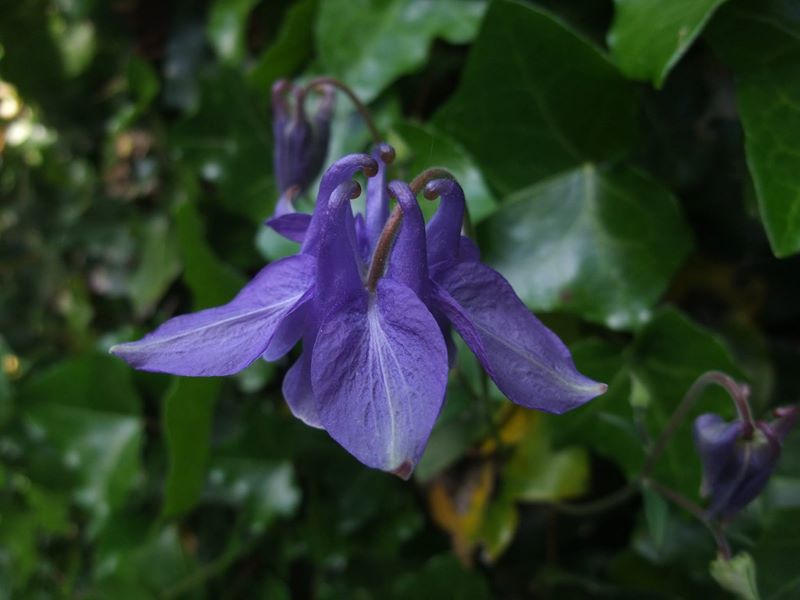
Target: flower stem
<point>360,106</point>
<point>739,394</point>
<point>421,180</point>
<point>383,248</point>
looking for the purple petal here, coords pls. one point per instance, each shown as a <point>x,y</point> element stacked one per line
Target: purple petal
<point>715,441</point>
<point>379,369</point>
<point>297,388</point>
<point>362,242</point>
<point>444,229</point>
<point>526,360</point>
<point>338,275</point>
<point>339,172</point>
<point>735,468</point>
<point>376,209</point>
<point>226,339</point>
<point>292,226</point>
<point>408,261</point>
<point>785,420</point>
<point>468,251</point>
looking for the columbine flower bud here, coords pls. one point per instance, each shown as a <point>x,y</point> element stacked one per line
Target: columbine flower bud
<point>300,144</point>
<point>738,458</point>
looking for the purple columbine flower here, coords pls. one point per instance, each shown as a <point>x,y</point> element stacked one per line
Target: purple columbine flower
<point>738,458</point>
<point>300,144</point>
<point>372,297</point>
<point>526,360</point>
<point>374,365</point>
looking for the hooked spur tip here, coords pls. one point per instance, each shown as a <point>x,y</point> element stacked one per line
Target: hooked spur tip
<point>355,190</point>
<point>431,191</point>
<point>371,168</point>
<point>387,153</point>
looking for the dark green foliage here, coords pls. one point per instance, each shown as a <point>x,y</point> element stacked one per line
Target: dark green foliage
<point>631,167</point>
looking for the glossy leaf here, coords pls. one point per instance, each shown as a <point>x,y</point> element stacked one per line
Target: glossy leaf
<point>601,243</point>
<point>649,37</point>
<point>538,473</point>
<point>227,25</point>
<point>158,267</point>
<point>291,47</point>
<point>188,412</point>
<point>523,120</point>
<point>606,424</point>
<point>760,41</point>
<point>369,44</point>
<point>264,490</point>
<point>427,147</point>
<point>87,410</point>
<point>228,144</point>
<point>212,282</point>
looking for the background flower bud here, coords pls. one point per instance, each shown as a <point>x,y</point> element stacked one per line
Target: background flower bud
<point>737,459</point>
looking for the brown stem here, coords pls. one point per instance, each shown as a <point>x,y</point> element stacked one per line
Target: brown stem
<point>739,394</point>
<point>383,248</point>
<point>360,106</point>
<point>427,175</point>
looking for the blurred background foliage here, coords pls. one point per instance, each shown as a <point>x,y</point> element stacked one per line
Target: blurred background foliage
<point>631,167</point>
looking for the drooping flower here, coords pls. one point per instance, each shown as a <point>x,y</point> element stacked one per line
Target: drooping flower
<point>373,370</point>
<point>738,458</point>
<point>526,360</point>
<point>301,144</point>
<point>373,298</point>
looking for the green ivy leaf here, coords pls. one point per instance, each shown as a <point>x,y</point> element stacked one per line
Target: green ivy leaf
<point>228,143</point>
<point>776,554</point>
<point>136,560</point>
<point>537,472</point>
<point>212,281</point>
<point>606,424</point>
<point>761,43</point>
<point>159,265</point>
<point>291,48</point>
<point>649,37</point>
<point>188,412</point>
<point>524,120</point>
<point>371,43</point>
<point>227,26</point>
<point>264,490</point>
<point>428,147</point>
<point>601,243</point>
<point>87,410</point>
